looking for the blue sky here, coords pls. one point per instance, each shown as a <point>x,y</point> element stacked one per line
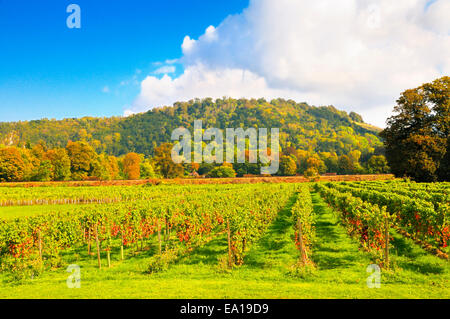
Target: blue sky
<point>358,55</point>
<point>50,71</point>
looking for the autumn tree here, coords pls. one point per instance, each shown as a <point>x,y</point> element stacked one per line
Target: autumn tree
<point>316,164</point>
<point>11,165</point>
<point>345,165</point>
<point>302,157</point>
<point>60,164</point>
<point>354,156</point>
<point>330,161</point>
<point>288,167</point>
<point>417,137</point>
<point>43,172</point>
<point>147,170</point>
<point>377,164</point>
<point>311,172</point>
<point>131,166</point>
<point>164,163</point>
<point>113,167</point>
<point>36,155</point>
<point>82,157</point>
<point>101,168</point>
<point>31,164</point>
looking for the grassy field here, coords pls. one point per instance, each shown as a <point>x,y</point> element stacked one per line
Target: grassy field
<point>268,270</point>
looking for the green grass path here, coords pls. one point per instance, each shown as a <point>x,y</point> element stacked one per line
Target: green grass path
<point>336,255</point>
<point>275,250</point>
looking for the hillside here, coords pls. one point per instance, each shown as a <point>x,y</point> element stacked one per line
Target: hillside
<point>314,129</point>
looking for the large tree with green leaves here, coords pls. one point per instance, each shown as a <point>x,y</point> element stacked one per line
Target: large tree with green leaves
<point>377,164</point>
<point>60,163</point>
<point>288,167</point>
<point>221,172</point>
<point>82,157</point>
<point>417,137</point>
<point>164,163</point>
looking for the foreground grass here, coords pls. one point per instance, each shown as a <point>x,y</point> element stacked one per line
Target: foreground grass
<point>267,272</point>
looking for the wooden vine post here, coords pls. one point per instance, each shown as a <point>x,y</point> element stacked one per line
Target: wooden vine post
<point>159,236</point>
<point>165,229</point>
<point>98,248</point>
<point>386,242</point>
<point>40,245</point>
<point>169,231</point>
<point>89,241</point>
<point>300,240</point>
<point>121,249</point>
<point>166,233</point>
<point>108,254</point>
<point>229,244</point>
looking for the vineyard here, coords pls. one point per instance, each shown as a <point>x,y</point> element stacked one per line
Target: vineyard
<point>231,240</point>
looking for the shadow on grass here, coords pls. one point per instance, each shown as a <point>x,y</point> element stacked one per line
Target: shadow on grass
<point>403,246</point>
<point>135,254</point>
<point>208,254</point>
<point>410,256</point>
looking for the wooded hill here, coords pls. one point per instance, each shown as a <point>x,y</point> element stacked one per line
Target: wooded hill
<point>305,127</point>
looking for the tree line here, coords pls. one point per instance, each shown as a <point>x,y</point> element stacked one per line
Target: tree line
<point>79,161</point>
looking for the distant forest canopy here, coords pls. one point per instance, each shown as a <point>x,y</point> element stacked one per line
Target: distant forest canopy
<point>313,140</point>
<point>309,128</point>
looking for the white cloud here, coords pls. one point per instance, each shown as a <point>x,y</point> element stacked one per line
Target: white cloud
<point>197,79</point>
<point>188,44</point>
<point>106,89</point>
<point>127,113</point>
<point>437,17</point>
<point>171,61</point>
<point>210,34</point>
<point>355,54</point>
<point>167,69</point>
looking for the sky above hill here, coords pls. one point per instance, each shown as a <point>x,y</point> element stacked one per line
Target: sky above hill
<point>130,56</point>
